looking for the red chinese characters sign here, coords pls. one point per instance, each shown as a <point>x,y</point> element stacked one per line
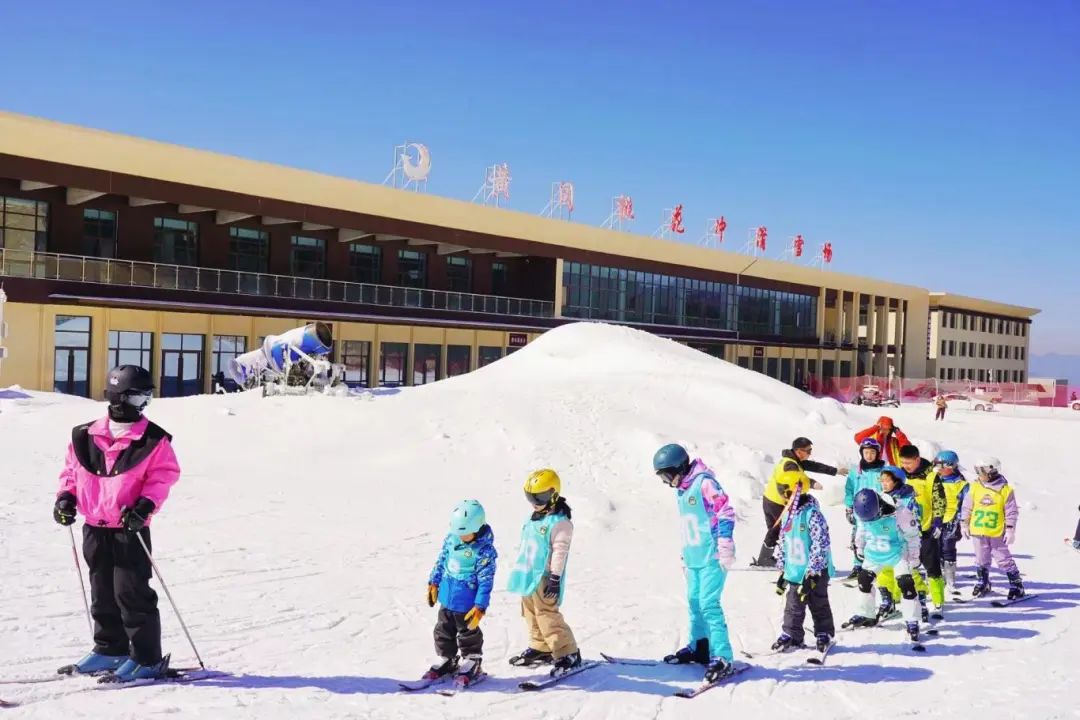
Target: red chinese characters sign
<point>797,245</point>
<point>761,237</point>
<point>826,252</point>
<point>624,207</point>
<point>719,227</point>
<point>676,220</point>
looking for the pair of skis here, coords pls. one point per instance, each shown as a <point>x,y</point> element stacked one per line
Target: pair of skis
<point>686,693</point>
<point>816,657</point>
<point>528,685</point>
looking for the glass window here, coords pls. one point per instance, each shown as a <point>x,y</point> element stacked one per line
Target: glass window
<point>308,257</point>
<point>412,269</point>
<point>500,277</point>
<point>365,263</point>
<point>226,348</point>
<point>23,224</point>
<point>249,250</point>
<point>426,360</point>
<point>459,273</point>
<point>487,354</point>
<point>131,348</point>
<point>845,368</point>
<point>356,357</point>
<point>71,368</point>
<point>772,367</point>
<point>392,359</point>
<point>181,364</point>
<point>176,241</point>
<point>99,234</point>
<point>457,359</point>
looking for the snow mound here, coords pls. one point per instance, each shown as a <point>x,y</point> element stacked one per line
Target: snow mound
<point>300,538</point>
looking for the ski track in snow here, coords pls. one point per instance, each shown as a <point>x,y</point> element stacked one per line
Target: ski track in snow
<point>299,541</point>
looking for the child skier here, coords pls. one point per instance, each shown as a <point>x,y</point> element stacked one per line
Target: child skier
<point>865,475</point>
<point>893,484</point>
<point>947,467</point>
<point>539,576</point>
<point>988,516</point>
<point>887,537</point>
<point>707,519</point>
<point>117,474</point>
<point>805,561</point>
<point>461,583</point>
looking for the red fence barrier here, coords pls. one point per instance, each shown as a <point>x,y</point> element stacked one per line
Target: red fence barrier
<point>872,390</point>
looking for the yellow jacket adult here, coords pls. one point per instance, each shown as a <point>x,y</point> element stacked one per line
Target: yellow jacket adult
<point>789,472</point>
<point>929,493</point>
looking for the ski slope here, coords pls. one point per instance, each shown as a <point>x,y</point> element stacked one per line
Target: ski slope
<point>299,540</point>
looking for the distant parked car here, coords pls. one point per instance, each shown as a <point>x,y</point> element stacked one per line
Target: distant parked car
<point>873,396</point>
<point>973,402</point>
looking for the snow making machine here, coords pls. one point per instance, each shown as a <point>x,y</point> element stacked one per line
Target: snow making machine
<point>293,363</point>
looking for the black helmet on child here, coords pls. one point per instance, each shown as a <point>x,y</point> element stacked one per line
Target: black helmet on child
<point>128,389</point>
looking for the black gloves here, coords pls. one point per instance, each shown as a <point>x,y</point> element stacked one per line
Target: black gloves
<point>781,584</point>
<point>850,514</point>
<point>553,587</point>
<point>134,518</point>
<point>64,509</point>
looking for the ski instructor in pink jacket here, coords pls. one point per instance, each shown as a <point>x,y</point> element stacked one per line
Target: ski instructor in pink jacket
<point>117,474</point>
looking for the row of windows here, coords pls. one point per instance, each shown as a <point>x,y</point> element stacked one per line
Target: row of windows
<point>605,293</point>
<point>981,375</point>
<point>981,323</point>
<point>182,359</point>
<point>986,350</point>
<point>23,225</point>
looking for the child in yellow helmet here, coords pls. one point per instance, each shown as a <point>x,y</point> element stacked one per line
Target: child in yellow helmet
<point>539,573</point>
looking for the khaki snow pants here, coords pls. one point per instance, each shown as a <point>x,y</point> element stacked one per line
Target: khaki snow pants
<point>548,631</point>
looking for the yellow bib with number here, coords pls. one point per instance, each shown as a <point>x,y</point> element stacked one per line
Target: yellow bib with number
<point>952,496</point>
<point>988,510</point>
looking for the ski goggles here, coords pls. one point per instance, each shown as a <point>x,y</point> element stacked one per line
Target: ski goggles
<point>138,398</point>
<point>942,463</point>
<point>668,475</point>
<point>540,498</point>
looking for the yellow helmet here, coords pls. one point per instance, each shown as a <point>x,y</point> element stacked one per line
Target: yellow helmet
<point>543,487</point>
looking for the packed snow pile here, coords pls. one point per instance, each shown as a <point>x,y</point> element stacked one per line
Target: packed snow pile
<point>300,537</point>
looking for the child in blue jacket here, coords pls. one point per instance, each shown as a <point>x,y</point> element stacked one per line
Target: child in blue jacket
<point>461,583</point>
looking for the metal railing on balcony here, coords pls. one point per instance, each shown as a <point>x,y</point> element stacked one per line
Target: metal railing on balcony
<point>102,271</point>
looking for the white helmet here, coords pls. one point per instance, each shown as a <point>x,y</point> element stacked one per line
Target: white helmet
<point>989,465</point>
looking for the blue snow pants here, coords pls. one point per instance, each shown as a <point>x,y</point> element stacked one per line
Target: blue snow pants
<point>703,589</point>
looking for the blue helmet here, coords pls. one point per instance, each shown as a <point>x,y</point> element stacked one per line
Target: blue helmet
<point>947,457</point>
<point>671,457</point>
<point>867,505</point>
<point>899,475</point>
<point>467,518</point>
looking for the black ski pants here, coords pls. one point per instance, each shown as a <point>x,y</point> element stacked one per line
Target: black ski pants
<point>930,554</point>
<point>950,535</point>
<point>773,511</point>
<point>820,610</point>
<point>123,605</point>
<point>452,635</point>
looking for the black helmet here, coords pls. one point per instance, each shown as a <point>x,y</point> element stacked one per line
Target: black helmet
<point>128,379</point>
<point>128,389</point>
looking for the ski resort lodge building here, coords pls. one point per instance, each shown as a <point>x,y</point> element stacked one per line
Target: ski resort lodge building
<point>116,249</point>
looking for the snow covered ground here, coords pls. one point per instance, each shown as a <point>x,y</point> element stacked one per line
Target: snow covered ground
<point>299,541</point>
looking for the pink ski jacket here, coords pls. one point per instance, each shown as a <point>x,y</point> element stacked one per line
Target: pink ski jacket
<point>106,475</point>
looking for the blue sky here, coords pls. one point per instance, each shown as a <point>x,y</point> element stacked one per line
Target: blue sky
<point>932,143</point>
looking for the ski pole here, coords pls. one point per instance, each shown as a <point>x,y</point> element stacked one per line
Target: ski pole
<point>82,584</point>
<point>171,601</point>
